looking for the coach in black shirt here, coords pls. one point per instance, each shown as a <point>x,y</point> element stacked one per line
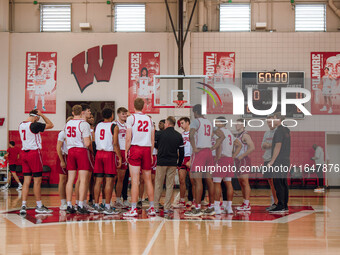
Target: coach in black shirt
<point>281,158</point>
<point>170,156</point>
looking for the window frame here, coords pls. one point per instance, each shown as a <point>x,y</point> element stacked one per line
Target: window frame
<point>41,7</point>
<point>128,4</point>
<point>234,4</point>
<point>311,4</point>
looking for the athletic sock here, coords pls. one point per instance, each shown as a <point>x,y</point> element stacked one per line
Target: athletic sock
<point>39,204</point>
<point>20,183</point>
<point>103,201</point>
<point>151,204</point>
<point>77,202</point>
<point>182,200</point>
<point>229,203</point>
<point>107,206</point>
<point>81,205</point>
<point>84,202</point>
<point>133,206</point>
<point>23,203</point>
<point>63,201</point>
<point>272,199</point>
<point>225,204</point>
<point>118,200</point>
<point>96,205</point>
<point>216,205</point>
<point>246,202</point>
<point>69,203</point>
<point>198,206</point>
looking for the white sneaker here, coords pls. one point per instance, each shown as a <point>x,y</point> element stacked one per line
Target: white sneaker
<point>19,187</point>
<point>330,110</point>
<point>119,204</point>
<point>89,208</point>
<point>229,210</point>
<point>244,207</point>
<point>63,207</point>
<point>127,204</point>
<point>218,210</point>
<point>323,109</point>
<point>5,187</point>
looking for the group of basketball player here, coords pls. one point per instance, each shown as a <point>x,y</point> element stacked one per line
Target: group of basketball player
<point>128,142</point>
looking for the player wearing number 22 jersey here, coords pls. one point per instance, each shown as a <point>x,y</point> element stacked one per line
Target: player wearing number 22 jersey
<point>140,138</point>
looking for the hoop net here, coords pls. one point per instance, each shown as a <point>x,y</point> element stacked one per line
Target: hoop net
<point>180,103</point>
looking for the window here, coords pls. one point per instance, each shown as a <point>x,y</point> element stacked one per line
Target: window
<point>234,17</point>
<point>130,17</point>
<point>55,18</point>
<point>310,17</point>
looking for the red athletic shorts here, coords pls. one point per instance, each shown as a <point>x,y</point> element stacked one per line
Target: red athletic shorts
<point>185,161</point>
<point>224,167</point>
<point>243,166</point>
<point>58,167</point>
<point>78,159</point>
<point>105,163</point>
<point>140,156</point>
<point>124,163</point>
<point>201,160</point>
<point>31,161</point>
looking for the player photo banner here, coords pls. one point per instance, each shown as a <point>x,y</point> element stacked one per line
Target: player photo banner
<point>41,81</point>
<point>220,69</point>
<point>142,68</point>
<point>325,74</point>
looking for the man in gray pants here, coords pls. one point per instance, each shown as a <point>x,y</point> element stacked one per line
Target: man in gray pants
<point>170,156</point>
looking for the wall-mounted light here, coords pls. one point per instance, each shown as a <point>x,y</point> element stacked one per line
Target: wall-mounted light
<point>35,2</point>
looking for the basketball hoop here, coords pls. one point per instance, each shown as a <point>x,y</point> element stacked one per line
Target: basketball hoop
<point>180,103</point>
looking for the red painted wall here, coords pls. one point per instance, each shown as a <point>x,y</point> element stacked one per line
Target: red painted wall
<point>301,148</point>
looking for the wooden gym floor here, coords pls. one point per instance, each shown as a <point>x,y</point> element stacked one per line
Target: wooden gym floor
<point>311,227</point>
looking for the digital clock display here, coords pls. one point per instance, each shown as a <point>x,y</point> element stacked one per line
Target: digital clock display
<point>272,77</point>
<point>262,84</point>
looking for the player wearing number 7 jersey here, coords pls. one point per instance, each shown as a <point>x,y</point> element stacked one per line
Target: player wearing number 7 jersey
<point>139,143</point>
<point>29,131</point>
<point>78,139</point>
<point>201,131</point>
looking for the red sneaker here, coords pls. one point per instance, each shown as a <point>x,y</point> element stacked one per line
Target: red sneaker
<point>131,213</point>
<point>244,207</point>
<point>151,211</point>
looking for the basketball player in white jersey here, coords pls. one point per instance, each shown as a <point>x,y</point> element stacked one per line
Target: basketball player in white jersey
<point>201,131</point>
<point>242,161</point>
<point>61,166</point>
<point>29,131</point>
<point>40,82</point>
<point>328,83</point>
<point>185,168</point>
<point>225,159</point>
<point>78,139</point>
<point>106,137</point>
<point>121,124</point>
<point>140,139</point>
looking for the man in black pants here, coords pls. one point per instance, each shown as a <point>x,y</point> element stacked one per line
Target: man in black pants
<point>280,159</point>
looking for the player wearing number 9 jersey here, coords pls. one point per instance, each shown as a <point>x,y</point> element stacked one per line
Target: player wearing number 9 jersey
<point>29,131</point>
<point>106,137</point>
<point>201,131</point>
<point>139,143</point>
<point>78,139</point>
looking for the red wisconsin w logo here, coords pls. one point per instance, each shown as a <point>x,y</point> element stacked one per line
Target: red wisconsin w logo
<point>103,73</point>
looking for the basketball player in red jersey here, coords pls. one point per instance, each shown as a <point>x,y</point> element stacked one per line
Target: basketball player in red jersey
<point>29,131</point>
<point>121,124</point>
<point>242,161</point>
<point>201,131</point>
<point>140,139</point>
<point>106,137</point>
<point>78,139</point>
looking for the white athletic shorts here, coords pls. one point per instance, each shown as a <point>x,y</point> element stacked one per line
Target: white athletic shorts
<point>219,179</point>
<point>40,90</point>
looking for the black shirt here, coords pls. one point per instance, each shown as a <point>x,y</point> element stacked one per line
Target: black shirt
<point>37,127</point>
<point>282,135</point>
<point>170,147</point>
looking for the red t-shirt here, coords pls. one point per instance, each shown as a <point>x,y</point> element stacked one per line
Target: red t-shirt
<point>13,155</point>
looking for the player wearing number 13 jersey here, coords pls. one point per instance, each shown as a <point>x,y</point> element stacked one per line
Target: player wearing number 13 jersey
<point>139,143</point>
<point>201,131</point>
<point>29,131</point>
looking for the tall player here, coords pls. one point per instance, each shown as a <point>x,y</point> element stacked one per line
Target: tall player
<point>78,139</point>
<point>29,131</point>
<point>106,137</point>
<point>201,131</point>
<point>185,168</point>
<point>121,171</point>
<point>140,139</point>
<point>242,160</point>
<point>61,166</point>
<point>225,159</point>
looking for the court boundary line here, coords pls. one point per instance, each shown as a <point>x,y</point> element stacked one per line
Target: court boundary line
<point>154,238</point>
<point>22,222</point>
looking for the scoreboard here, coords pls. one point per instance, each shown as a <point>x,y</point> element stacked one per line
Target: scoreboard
<point>262,84</point>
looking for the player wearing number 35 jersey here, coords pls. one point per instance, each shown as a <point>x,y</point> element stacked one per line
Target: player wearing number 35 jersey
<point>140,138</point>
